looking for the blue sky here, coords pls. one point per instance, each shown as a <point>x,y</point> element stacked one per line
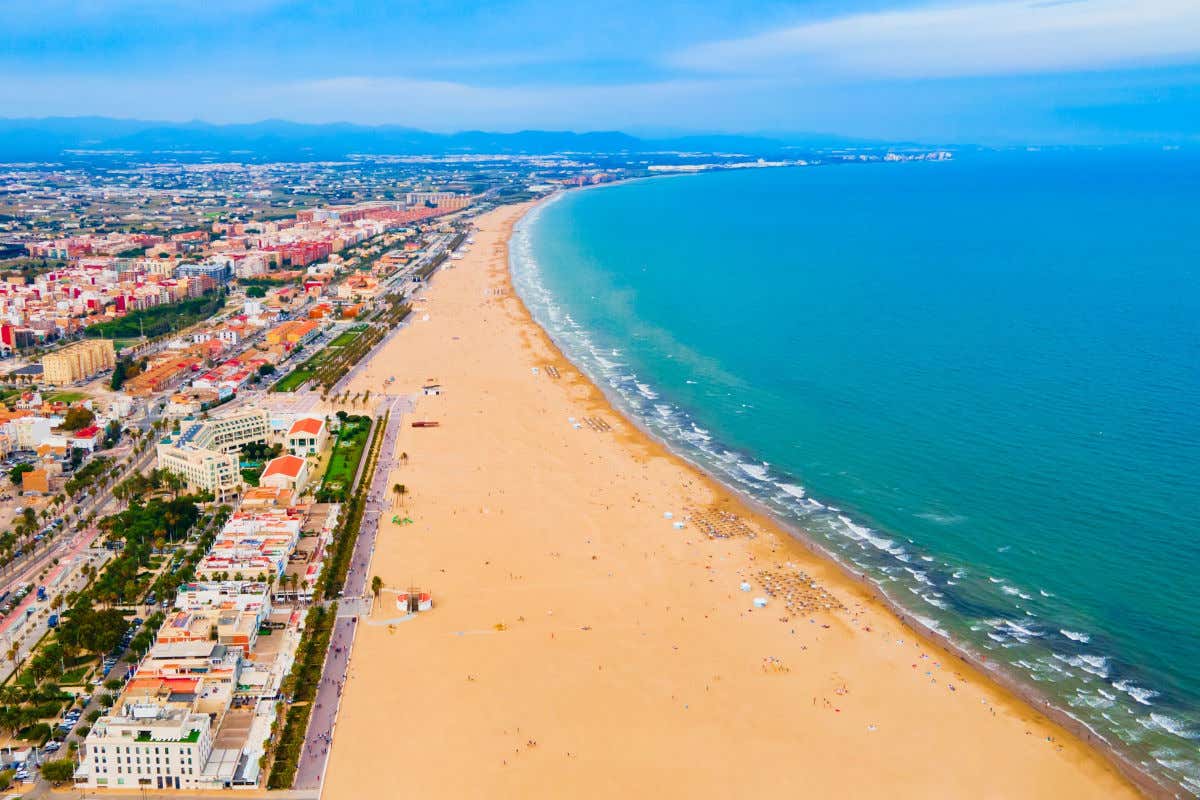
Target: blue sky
<point>988,71</point>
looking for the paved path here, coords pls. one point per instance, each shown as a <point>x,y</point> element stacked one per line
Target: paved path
<point>63,793</point>
<point>352,606</point>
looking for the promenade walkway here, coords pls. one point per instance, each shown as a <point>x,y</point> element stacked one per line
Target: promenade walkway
<point>353,605</point>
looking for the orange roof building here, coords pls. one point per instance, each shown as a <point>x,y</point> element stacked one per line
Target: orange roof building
<point>285,472</point>
<point>307,436</point>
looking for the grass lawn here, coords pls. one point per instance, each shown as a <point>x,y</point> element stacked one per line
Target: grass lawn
<point>347,450</point>
<point>37,733</point>
<point>66,397</point>
<point>305,371</point>
<point>292,381</point>
<point>346,337</point>
<point>74,676</point>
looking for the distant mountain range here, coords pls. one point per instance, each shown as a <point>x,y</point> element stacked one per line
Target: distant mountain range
<point>64,137</point>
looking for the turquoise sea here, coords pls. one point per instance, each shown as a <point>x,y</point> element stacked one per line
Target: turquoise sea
<point>977,381</point>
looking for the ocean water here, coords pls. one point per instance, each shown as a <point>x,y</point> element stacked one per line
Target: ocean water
<point>976,381</point>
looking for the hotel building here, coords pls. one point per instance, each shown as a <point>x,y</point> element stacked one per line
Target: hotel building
<point>205,452</point>
<point>203,470</point>
<point>230,433</point>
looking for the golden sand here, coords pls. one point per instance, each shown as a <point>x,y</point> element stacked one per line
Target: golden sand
<point>582,646</point>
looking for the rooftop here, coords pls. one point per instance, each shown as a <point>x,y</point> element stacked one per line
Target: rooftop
<point>309,425</point>
<point>284,465</point>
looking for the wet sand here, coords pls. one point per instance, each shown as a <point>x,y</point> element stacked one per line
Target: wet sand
<point>581,645</point>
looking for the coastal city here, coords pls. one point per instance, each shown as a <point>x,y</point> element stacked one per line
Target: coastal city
<point>188,477</point>
<point>186,472</point>
<point>194,477</point>
<point>272,433</point>
<point>234,404</point>
<point>536,399</point>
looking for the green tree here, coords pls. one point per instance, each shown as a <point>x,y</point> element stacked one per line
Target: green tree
<point>120,371</point>
<point>16,472</point>
<point>376,587</point>
<point>58,771</point>
<point>77,417</point>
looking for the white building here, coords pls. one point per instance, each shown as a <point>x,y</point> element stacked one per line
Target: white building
<point>204,452</point>
<point>285,472</point>
<point>204,470</point>
<point>229,433</point>
<point>307,436</point>
<point>147,746</point>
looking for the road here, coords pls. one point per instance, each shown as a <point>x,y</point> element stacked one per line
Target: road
<point>65,577</point>
<point>29,564</point>
<point>71,552</point>
<point>354,604</point>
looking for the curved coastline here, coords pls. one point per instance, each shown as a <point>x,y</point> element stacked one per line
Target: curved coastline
<point>1037,702</point>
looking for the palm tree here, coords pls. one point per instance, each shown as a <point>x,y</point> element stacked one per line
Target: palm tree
<point>376,587</point>
<point>14,655</point>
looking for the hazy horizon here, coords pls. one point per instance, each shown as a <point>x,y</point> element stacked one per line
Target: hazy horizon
<point>988,72</point>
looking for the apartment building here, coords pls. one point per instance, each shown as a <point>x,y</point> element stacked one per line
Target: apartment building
<point>237,630</point>
<point>239,595</point>
<point>148,744</point>
<point>292,333</point>
<point>204,470</point>
<point>161,374</point>
<point>253,545</point>
<point>78,361</point>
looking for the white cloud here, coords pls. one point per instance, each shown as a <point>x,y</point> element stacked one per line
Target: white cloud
<point>1003,38</point>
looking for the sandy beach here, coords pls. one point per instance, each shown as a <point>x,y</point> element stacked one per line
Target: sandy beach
<point>582,645</point>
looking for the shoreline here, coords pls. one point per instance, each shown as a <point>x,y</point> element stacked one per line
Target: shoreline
<point>1037,702</point>
<point>542,487</point>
